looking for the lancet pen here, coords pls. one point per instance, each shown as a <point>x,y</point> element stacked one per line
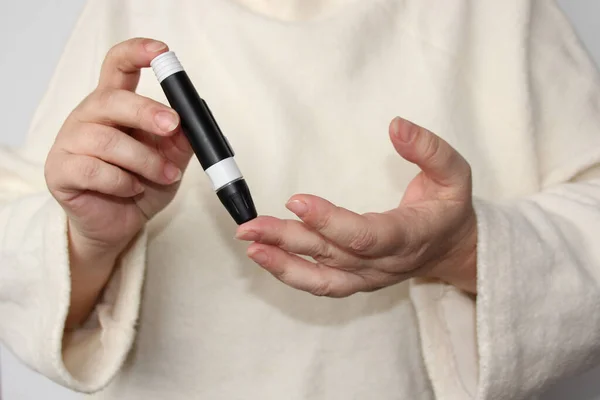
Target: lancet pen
<point>208,142</point>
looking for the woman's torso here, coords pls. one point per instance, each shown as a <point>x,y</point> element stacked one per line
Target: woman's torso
<point>306,106</point>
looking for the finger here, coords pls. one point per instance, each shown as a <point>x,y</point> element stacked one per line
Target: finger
<point>115,147</point>
<point>127,109</point>
<point>301,274</point>
<point>294,237</point>
<point>178,149</point>
<point>81,172</point>
<point>175,148</point>
<point>123,62</point>
<point>366,235</point>
<point>438,160</point>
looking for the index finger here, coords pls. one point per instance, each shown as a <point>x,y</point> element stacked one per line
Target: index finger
<point>366,235</point>
<point>124,61</point>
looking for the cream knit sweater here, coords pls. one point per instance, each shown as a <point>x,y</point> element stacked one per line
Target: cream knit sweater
<point>305,91</point>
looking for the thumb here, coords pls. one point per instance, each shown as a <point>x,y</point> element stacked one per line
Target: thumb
<point>437,159</point>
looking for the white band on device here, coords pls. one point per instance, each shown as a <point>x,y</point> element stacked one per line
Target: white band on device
<point>223,172</point>
<point>166,65</point>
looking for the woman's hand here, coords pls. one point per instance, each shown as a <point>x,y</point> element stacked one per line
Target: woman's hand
<point>116,162</point>
<point>119,156</point>
<point>433,233</point>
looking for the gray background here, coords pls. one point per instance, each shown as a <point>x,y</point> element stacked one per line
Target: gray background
<point>35,33</point>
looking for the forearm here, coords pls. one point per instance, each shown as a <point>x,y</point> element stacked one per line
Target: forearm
<point>91,268</point>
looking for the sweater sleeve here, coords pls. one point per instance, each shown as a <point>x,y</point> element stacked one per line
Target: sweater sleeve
<point>535,319</point>
<point>34,261</point>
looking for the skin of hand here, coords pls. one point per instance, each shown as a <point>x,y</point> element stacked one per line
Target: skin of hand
<point>431,234</point>
<point>116,162</point>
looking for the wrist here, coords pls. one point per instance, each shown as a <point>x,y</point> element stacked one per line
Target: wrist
<point>86,251</point>
<point>459,266</point>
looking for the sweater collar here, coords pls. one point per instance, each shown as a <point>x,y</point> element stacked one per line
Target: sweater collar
<point>294,10</point>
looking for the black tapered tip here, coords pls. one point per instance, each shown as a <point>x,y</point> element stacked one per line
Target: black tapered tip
<point>238,201</point>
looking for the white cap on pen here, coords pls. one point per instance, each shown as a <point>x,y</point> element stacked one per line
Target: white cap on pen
<point>166,65</point>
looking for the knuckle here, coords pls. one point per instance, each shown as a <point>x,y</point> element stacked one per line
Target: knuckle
<point>281,274</point>
<point>362,241</point>
<point>431,147</point>
<point>119,55</point>
<point>152,163</point>
<point>119,181</point>
<point>323,221</point>
<point>105,141</point>
<point>115,51</point>
<point>280,239</point>
<point>322,288</point>
<point>416,130</point>
<point>320,251</point>
<point>87,169</point>
<point>147,161</point>
<point>140,110</point>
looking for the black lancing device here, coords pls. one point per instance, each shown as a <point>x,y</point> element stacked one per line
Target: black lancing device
<point>208,142</point>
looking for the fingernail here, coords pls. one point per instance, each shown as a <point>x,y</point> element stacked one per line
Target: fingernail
<point>252,236</point>
<point>404,130</point>
<point>259,257</point>
<point>166,121</point>
<point>137,187</point>
<point>298,207</point>
<point>154,46</point>
<point>172,173</point>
